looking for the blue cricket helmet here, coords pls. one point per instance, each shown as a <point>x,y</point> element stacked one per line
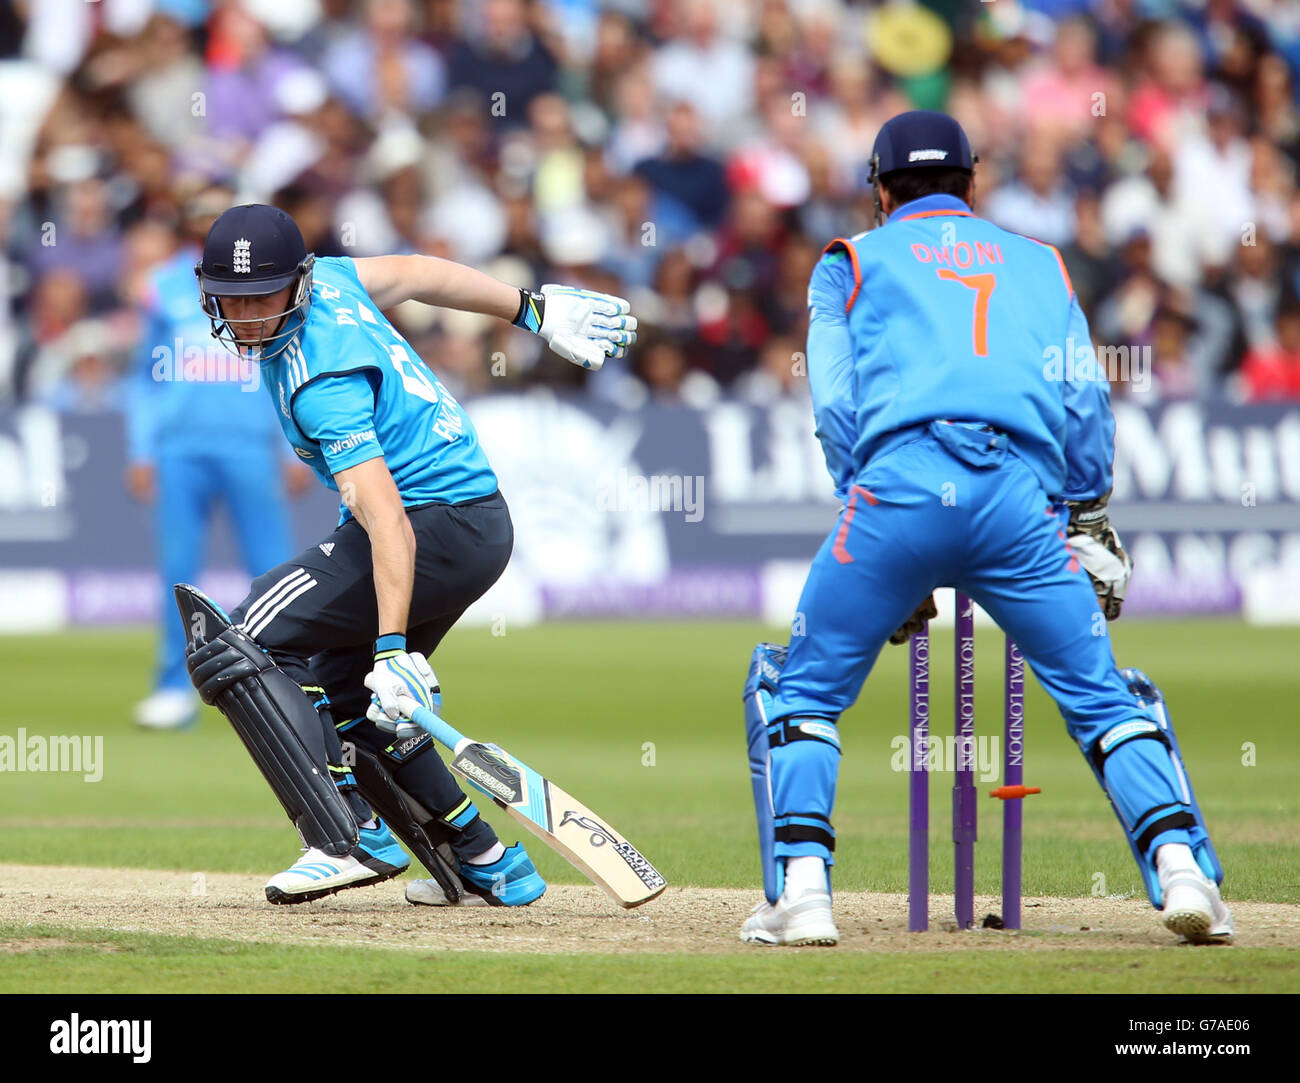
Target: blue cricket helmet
<point>251,251</point>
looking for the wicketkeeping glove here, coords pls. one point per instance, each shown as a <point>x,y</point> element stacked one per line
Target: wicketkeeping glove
<point>582,326</point>
<point>1094,541</point>
<point>926,611</point>
<point>400,682</point>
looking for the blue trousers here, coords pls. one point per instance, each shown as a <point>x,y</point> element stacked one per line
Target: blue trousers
<point>920,517</point>
<point>189,490</point>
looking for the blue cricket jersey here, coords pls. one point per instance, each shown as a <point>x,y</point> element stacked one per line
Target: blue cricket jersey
<point>940,315</point>
<point>349,388</point>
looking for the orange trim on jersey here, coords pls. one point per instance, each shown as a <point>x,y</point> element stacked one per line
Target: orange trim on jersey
<point>933,214</point>
<point>857,269</point>
<point>1069,286</point>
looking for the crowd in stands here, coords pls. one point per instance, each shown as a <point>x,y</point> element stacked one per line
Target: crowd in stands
<point>692,155</point>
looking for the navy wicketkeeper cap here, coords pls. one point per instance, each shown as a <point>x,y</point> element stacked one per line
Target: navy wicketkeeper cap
<point>251,250</point>
<point>920,139</point>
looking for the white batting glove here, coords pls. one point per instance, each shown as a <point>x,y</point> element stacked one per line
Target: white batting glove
<point>584,326</point>
<point>400,682</point>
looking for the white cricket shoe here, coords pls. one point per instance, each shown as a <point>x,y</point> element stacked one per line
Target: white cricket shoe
<point>168,709</point>
<point>1193,908</point>
<point>806,921</point>
<point>317,874</point>
<point>430,893</point>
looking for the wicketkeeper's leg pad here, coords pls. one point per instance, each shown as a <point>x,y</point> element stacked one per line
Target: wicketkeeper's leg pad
<point>1140,767</point>
<point>794,766</point>
<point>273,717</point>
<point>760,687</point>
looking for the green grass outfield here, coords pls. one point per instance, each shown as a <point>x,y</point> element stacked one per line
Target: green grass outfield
<point>643,722</point>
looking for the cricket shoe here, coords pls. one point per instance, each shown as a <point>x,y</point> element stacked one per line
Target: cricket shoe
<point>802,923</point>
<point>168,709</point>
<point>511,880</point>
<point>376,857</point>
<point>1193,908</point>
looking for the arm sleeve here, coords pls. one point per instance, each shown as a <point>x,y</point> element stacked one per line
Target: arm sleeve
<point>830,365</point>
<point>1089,423</point>
<point>142,390</point>
<point>338,412</point>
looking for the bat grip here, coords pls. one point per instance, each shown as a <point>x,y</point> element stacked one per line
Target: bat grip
<point>442,732</point>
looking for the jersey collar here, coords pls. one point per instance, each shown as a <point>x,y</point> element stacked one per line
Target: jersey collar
<point>930,206</point>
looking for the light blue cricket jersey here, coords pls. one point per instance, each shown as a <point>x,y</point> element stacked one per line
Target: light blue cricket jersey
<point>350,388</point>
<point>940,315</point>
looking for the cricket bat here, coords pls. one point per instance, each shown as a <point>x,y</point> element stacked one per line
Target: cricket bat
<point>566,825</point>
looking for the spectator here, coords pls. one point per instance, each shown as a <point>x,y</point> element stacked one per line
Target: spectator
<point>690,187</point>
<point>1175,376</point>
<point>1063,95</point>
<point>701,65</point>
<point>1037,203</point>
<point>1092,265</point>
<point>505,62</point>
<point>84,237</point>
<point>91,378</point>
<point>244,71</point>
<point>379,69</point>
<point>1273,373</point>
<point>663,368</point>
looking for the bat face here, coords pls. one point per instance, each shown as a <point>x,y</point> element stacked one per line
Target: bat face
<point>560,821</point>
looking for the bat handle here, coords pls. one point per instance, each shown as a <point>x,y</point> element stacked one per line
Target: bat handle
<point>443,732</point>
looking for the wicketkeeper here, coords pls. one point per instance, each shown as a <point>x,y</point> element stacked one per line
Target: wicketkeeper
<point>423,532</point>
<point>967,426</point>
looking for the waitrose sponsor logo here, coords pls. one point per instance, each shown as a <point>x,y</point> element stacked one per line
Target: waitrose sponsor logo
<point>350,441</point>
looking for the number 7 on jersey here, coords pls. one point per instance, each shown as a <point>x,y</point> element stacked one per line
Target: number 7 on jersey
<point>983,285</point>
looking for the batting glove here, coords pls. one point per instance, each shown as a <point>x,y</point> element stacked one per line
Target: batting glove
<point>582,326</point>
<point>400,682</point>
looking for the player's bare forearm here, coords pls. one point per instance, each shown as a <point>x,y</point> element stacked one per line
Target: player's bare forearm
<point>391,280</point>
<point>370,493</point>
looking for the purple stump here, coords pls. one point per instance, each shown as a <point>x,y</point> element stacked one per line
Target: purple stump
<point>918,808</point>
<point>1013,774</point>
<point>963,790</point>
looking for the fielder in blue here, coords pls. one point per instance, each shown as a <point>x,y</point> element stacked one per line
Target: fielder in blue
<point>967,427</point>
<point>199,434</point>
<point>330,646</point>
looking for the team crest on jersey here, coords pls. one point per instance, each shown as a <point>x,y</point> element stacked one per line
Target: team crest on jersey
<point>243,260</point>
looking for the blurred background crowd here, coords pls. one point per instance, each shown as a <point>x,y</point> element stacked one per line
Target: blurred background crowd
<point>692,155</point>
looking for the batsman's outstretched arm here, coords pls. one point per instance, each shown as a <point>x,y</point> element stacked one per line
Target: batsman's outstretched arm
<point>390,280</point>
<point>582,326</point>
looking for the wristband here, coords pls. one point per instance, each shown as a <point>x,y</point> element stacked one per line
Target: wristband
<point>532,309</point>
<point>390,645</point>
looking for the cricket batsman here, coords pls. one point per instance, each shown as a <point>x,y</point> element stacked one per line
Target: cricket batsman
<point>967,427</point>
<point>423,532</point>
